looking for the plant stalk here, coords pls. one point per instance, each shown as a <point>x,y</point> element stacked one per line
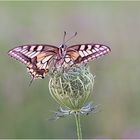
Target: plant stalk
<point>78,125</point>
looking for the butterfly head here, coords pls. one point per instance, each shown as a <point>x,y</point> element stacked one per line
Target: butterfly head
<point>63,46</point>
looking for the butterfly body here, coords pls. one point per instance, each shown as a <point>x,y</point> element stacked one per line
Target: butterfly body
<point>61,55</point>
<point>39,58</point>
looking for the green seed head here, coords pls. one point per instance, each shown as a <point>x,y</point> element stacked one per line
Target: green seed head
<point>72,87</point>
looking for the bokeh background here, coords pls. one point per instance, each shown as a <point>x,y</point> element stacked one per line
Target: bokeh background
<point>24,111</point>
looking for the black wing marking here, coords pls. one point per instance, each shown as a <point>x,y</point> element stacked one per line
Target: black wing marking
<point>36,57</point>
<point>83,53</point>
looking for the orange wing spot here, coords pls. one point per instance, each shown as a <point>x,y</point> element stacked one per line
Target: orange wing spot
<point>41,56</point>
<point>46,71</point>
<point>74,55</point>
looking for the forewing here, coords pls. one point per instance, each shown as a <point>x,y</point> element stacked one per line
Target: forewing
<point>83,53</point>
<point>36,57</point>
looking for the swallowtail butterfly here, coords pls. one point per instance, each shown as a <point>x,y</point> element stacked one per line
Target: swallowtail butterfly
<point>39,57</point>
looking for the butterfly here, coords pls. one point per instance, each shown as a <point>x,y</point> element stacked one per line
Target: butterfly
<point>40,57</point>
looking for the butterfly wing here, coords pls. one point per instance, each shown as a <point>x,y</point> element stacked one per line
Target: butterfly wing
<point>82,53</point>
<point>37,58</point>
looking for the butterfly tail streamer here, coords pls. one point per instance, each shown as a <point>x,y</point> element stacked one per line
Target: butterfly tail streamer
<point>31,81</point>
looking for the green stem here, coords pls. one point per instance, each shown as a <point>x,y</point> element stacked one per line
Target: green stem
<point>78,125</point>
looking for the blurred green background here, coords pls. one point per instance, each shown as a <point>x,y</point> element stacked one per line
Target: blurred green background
<point>24,111</point>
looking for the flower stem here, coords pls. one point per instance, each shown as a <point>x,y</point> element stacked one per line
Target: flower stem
<point>78,125</point>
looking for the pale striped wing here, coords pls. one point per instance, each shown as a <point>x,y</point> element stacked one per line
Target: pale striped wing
<point>82,53</point>
<point>36,57</point>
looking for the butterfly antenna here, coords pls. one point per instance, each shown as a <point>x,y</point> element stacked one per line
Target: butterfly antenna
<point>71,37</point>
<point>64,37</point>
<point>31,81</point>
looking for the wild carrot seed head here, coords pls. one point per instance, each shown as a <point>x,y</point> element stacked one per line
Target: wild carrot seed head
<point>71,87</point>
